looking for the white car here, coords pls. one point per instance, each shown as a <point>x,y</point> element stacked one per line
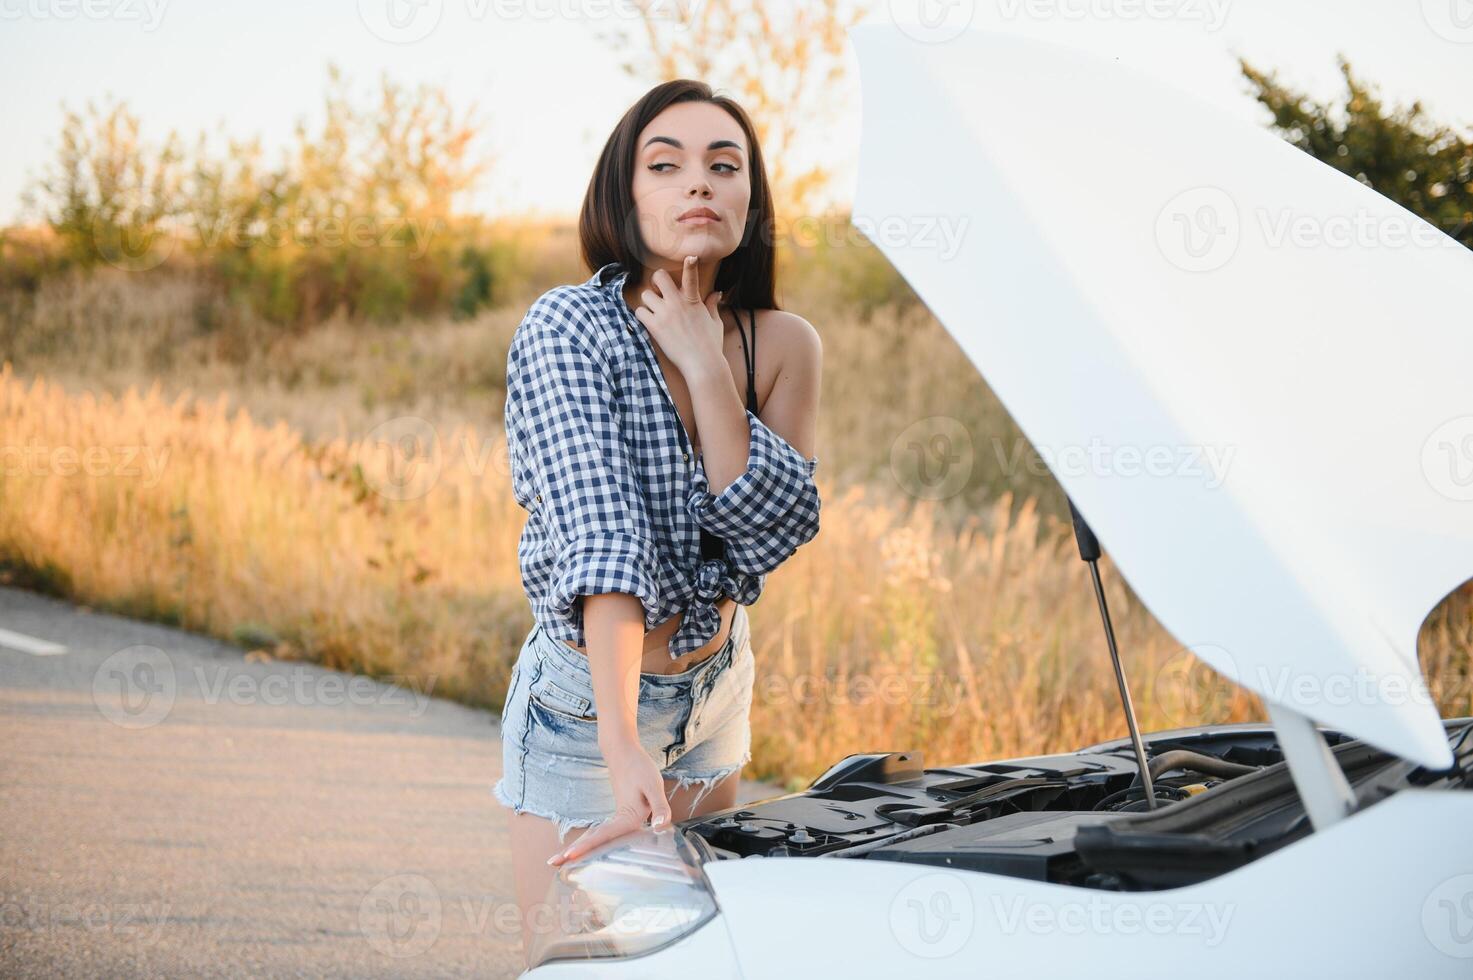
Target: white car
<point>1136,270</point>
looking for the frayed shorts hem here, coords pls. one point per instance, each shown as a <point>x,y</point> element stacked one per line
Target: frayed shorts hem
<point>564,824</point>
<point>706,781</point>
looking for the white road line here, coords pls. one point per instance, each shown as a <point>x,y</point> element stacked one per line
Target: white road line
<point>29,644</point>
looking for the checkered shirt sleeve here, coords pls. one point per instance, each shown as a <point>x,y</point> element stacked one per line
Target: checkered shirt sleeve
<point>562,428</point>
<point>769,511</point>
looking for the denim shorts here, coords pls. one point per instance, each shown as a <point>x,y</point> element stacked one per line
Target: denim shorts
<point>696,725</point>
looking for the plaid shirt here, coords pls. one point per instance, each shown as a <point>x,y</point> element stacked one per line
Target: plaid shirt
<point>616,501</point>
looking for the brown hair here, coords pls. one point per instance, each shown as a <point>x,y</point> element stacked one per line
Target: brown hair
<point>608,225</point>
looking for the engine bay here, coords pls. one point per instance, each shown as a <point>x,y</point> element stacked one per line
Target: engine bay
<point>1223,798</point>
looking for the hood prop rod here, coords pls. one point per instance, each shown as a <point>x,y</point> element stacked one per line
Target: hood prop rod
<point>1089,552</point>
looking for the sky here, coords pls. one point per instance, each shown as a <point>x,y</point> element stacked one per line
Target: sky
<point>550,90</point>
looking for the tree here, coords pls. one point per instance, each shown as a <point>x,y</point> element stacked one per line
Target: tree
<point>110,195</point>
<point>1424,166</point>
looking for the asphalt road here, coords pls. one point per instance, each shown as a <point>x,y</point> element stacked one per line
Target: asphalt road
<point>169,809</point>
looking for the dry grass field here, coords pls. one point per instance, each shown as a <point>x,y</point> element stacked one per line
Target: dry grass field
<point>249,483</point>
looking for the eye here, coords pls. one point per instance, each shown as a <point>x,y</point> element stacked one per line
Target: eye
<point>731,168</point>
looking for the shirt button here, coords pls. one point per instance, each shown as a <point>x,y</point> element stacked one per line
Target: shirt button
<point>685,456</point>
<point>539,498</point>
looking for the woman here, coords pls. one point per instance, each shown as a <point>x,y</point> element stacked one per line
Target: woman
<point>657,506</point>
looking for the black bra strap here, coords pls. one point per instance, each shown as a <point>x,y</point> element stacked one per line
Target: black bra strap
<point>751,360</point>
<point>711,545</point>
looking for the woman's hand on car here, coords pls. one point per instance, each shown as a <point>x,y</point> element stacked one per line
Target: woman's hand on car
<point>639,795</point>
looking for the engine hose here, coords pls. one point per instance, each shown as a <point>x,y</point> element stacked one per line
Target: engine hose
<point>1197,762</point>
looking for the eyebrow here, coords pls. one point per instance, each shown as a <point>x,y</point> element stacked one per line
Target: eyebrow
<point>713,145</point>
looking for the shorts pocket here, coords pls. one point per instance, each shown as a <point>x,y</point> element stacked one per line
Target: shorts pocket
<point>554,693</point>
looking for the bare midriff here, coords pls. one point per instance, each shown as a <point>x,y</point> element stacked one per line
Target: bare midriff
<point>656,656</point>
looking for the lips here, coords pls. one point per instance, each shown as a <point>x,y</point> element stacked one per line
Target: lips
<point>696,214</point>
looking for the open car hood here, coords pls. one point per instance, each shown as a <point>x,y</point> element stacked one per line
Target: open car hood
<point>1249,371</point>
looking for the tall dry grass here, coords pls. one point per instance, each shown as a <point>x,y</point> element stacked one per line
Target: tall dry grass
<point>895,629</point>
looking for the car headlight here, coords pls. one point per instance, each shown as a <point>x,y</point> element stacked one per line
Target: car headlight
<point>633,895</point>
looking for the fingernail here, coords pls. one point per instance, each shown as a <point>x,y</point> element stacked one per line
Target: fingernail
<point>552,859</point>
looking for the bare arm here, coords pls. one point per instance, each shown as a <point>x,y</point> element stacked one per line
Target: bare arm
<point>613,625</point>
<point>791,409</point>
<point>614,628</point>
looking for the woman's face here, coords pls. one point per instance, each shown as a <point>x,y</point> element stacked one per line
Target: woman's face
<point>692,155</point>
